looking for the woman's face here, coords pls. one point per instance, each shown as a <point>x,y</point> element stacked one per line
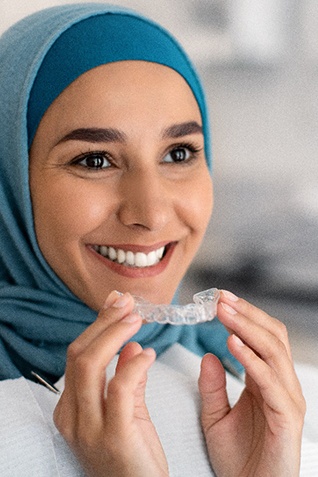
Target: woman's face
<point>120,188</point>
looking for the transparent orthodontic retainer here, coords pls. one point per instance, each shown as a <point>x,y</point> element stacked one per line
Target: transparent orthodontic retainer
<point>203,309</point>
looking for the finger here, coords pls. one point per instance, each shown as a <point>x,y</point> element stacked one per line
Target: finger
<point>81,403</point>
<point>131,350</point>
<point>116,308</point>
<point>128,352</point>
<point>124,389</point>
<point>265,343</point>
<point>64,417</point>
<point>88,370</point>
<point>282,407</point>
<point>258,316</point>
<point>94,359</point>
<point>212,388</point>
<point>107,315</point>
<point>254,320</point>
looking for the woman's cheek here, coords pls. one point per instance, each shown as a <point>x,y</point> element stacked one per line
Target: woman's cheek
<point>83,208</point>
<point>199,204</point>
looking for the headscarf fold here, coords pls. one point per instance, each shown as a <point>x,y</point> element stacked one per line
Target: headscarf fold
<point>39,315</point>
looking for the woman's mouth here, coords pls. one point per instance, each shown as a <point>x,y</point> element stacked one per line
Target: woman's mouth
<point>128,258</point>
<point>133,261</point>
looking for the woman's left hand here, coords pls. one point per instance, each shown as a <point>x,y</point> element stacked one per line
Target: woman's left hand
<point>261,434</point>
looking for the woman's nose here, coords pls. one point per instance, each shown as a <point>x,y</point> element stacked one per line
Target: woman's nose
<point>146,200</point>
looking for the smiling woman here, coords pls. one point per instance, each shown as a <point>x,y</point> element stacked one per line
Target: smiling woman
<point>105,185</point>
<point>126,196</point>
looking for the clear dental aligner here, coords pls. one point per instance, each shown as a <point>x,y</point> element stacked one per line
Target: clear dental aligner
<point>203,309</point>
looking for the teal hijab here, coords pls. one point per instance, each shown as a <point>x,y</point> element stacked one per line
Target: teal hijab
<point>39,57</point>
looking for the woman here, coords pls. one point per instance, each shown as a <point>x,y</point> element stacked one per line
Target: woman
<point>117,195</point>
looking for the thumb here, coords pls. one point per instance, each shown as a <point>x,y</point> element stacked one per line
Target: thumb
<point>212,388</point>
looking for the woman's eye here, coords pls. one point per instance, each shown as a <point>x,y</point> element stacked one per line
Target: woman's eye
<point>179,154</point>
<point>94,161</point>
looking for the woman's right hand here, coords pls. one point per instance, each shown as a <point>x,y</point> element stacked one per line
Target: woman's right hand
<point>110,434</point>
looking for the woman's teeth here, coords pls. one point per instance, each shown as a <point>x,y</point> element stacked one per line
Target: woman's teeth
<point>129,258</point>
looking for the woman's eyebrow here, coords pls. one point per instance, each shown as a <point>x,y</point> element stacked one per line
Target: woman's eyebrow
<point>115,135</point>
<point>95,135</point>
<point>183,129</point>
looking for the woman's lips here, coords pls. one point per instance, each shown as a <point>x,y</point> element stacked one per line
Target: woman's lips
<point>129,257</point>
<point>133,261</point>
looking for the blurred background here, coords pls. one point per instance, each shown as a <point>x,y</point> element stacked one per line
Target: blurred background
<point>258,60</point>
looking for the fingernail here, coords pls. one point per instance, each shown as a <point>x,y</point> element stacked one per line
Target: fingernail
<point>230,295</point>
<point>112,297</point>
<point>122,300</point>
<point>228,309</point>
<point>238,340</point>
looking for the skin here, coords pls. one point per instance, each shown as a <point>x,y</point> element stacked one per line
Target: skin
<point>140,201</point>
<point>262,432</point>
<point>137,203</point>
